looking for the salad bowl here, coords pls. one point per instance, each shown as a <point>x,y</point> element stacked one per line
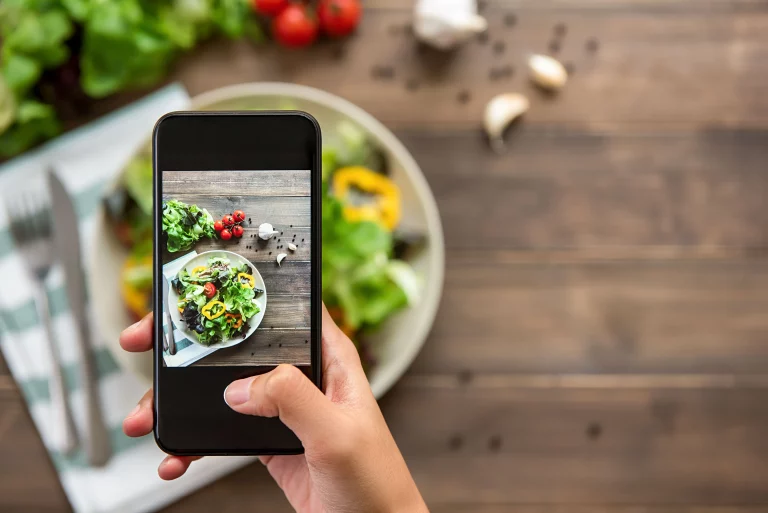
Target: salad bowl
<point>396,341</point>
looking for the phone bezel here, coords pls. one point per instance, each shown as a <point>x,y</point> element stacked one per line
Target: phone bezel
<point>248,140</point>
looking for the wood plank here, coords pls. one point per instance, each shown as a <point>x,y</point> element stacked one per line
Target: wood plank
<point>266,347</point>
<point>684,68</point>
<point>28,481</point>
<point>265,251</point>
<point>280,211</point>
<point>685,316</point>
<point>470,444</point>
<point>569,189</point>
<point>241,183</point>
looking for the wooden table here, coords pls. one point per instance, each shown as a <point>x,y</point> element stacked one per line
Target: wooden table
<point>280,198</point>
<point>602,343</point>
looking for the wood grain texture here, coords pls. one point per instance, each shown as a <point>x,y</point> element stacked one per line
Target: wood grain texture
<point>656,67</point>
<point>474,444</point>
<point>659,316</point>
<point>244,183</point>
<point>280,211</point>
<point>559,189</point>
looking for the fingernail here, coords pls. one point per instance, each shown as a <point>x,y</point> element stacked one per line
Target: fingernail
<point>237,392</point>
<point>134,411</point>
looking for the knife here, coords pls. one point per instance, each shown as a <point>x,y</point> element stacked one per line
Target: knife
<point>66,242</point>
<point>167,313</point>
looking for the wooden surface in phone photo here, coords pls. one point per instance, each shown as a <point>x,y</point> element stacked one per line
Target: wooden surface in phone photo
<point>282,199</point>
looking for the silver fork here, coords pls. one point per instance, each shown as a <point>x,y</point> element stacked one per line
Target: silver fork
<point>30,221</point>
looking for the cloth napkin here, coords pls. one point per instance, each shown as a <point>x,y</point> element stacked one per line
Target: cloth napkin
<point>87,160</point>
<point>187,352</point>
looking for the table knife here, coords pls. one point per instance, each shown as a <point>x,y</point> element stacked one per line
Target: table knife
<point>67,247</point>
<point>167,313</point>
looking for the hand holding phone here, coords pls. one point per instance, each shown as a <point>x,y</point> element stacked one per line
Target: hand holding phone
<point>351,461</point>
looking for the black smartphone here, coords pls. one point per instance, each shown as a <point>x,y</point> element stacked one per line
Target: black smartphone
<point>236,271</point>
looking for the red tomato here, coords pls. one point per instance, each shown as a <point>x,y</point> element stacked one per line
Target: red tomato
<point>295,27</point>
<point>270,7</point>
<point>225,234</point>
<point>228,220</point>
<point>339,17</point>
<point>209,289</point>
<point>218,226</point>
<point>239,216</point>
<point>237,231</point>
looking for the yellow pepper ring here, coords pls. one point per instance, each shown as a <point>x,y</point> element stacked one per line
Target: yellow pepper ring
<point>198,269</point>
<point>251,280</point>
<point>207,310</point>
<point>385,209</point>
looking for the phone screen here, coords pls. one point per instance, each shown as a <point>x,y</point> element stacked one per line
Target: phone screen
<point>237,261</point>
<point>237,280</point>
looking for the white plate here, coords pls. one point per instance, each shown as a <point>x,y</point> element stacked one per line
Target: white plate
<point>398,342</point>
<point>236,261</point>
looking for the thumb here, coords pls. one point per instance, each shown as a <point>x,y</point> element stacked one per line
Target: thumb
<point>287,393</point>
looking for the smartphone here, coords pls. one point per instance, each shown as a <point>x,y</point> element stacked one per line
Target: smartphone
<point>236,271</point>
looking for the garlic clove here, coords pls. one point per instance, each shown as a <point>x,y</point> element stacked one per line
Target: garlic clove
<point>292,246</point>
<point>499,113</point>
<point>266,231</point>
<point>280,258</point>
<point>547,72</point>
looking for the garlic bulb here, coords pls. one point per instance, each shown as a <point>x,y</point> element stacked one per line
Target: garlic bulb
<point>445,24</point>
<point>280,258</point>
<point>547,72</point>
<point>292,246</point>
<point>499,113</point>
<point>266,231</point>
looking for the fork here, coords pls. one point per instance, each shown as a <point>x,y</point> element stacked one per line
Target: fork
<point>30,222</point>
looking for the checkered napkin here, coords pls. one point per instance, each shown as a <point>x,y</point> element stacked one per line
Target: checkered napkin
<point>88,159</point>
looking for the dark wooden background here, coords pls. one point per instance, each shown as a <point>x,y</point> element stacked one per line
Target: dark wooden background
<point>280,198</point>
<point>602,342</point>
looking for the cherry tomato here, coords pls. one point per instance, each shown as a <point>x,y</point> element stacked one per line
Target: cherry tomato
<point>295,27</point>
<point>228,220</point>
<point>237,231</point>
<point>225,234</point>
<point>269,7</point>
<point>218,226</point>
<point>339,17</point>
<point>239,216</point>
<point>209,289</point>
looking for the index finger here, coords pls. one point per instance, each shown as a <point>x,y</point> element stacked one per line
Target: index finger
<point>138,337</point>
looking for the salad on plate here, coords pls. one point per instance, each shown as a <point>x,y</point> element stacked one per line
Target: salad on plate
<point>217,300</point>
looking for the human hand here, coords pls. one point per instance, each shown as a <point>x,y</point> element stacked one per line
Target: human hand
<point>351,462</point>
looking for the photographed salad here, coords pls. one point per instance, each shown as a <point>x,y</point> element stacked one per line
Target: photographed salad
<point>185,224</point>
<point>217,300</point>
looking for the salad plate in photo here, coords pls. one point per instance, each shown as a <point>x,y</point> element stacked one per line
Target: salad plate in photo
<point>217,299</point>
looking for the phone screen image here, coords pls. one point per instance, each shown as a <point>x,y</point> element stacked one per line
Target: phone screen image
<point>236,268</point>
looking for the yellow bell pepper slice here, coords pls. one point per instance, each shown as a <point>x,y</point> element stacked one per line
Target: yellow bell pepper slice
<point>385,207</point>
<point>251,281</point>
<point>198,269</point>
<point>208,310</point>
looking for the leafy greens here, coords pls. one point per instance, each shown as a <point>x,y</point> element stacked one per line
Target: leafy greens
<point>185,224</point>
